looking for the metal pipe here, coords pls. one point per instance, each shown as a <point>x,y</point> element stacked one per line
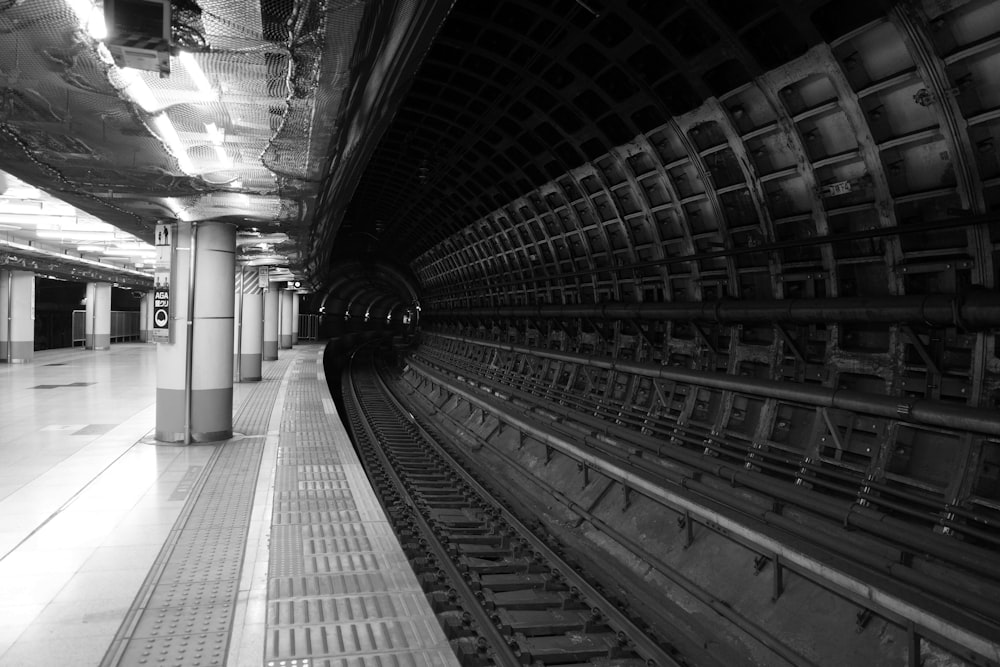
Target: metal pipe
<point>189,348</point>
<point>978,310</point>
<point>760,536</point>
<point>918,411</point>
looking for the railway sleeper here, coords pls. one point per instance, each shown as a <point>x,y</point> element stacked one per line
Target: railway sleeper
<point>461,519</point>
<point>570,647</point>
<point>502,565</point>
<point>484,550</point>
<point>531,598</point>
<point>531,622</point>
<point>513,582</point>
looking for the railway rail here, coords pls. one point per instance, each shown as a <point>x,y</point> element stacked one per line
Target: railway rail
<point>503,594</point>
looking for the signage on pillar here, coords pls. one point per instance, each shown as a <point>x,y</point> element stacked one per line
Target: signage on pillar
<point>263,279</point>
<point>161,315</point>
<point>163,239</point>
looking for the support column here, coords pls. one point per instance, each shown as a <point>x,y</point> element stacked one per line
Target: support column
<point>248,332</point>
<point>97,321</point>
<point>194,393</point>
<point>146,317</point>
<point>17,316</point>
<point>285,313</point>
<point>295,318</point>
<point>270,345</point>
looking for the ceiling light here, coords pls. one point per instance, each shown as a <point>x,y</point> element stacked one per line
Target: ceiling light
<point>72,235</point>
<point>130,252</point>
<point>90,248</point>
<point>134,86</point>
<point>169,136</point>
<point>91,18</point>
<point>197,75</point>
<point>215,135</point>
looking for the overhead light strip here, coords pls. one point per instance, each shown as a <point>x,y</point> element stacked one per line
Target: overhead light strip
<point>69,259</point>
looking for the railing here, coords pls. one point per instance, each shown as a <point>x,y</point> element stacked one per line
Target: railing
<point>124,326</point>
<point>308,326</point>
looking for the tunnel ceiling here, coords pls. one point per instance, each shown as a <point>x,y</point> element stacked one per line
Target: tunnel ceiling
<point>659,151</point>
<point>515,94</point>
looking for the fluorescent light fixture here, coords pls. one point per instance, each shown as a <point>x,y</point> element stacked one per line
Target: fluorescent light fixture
<point>90,248</point>
<point>19,190</point>
<point>130,252</point>
<point>135,88</point>
<point>196,73</point>
<point>90,17</point>
<point>173,142</point>
<point>36,207</point>
<point>71,235</point>
<point>215,135</point>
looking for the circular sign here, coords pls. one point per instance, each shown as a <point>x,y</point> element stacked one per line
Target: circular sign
<point>160,317</point>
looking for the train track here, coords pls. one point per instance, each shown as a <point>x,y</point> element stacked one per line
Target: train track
<point>503,595</point>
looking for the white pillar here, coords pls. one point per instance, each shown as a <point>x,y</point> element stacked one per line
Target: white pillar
<point>194,389</point>
<point>285,314</point>
<point>145,317</point>
<point>270,344</point>
<point>97,322</point>
<point>249,330</point>
<point>17,316</point>
<point>295,318</point>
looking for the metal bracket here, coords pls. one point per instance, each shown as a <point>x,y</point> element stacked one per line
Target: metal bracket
<point>642,332</point>
<point>704,337</point>
<point>687,525</point>
<point>789,341</point>
<point>834,433</point>
<point>921,349</point>
<point>779,578</point>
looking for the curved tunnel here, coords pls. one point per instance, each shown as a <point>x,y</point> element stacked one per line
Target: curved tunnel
<point>757,237</point>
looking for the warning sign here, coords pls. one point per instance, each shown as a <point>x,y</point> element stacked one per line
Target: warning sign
<point>161,315</point>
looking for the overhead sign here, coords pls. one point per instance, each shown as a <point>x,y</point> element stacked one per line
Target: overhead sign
<point>161,315</point>
<point>263,280</point>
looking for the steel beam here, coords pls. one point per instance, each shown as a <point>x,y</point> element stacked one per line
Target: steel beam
<point>977,310</point>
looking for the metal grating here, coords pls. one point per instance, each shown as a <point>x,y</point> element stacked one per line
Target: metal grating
<point>182,615</point>
<point>340,590</point>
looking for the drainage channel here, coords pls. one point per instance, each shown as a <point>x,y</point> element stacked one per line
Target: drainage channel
<point>503,596</point>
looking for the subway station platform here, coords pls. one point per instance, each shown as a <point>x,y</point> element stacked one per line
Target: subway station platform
<point>266,549</point>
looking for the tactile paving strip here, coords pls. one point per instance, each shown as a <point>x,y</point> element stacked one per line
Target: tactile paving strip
<point>340,590</point>
<point>183,613</point>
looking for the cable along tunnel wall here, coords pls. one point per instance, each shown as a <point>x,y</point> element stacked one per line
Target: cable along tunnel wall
<point>835,464</point>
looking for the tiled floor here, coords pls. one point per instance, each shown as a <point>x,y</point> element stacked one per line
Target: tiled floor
<point>85,504</point>
<point>92,514</point>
